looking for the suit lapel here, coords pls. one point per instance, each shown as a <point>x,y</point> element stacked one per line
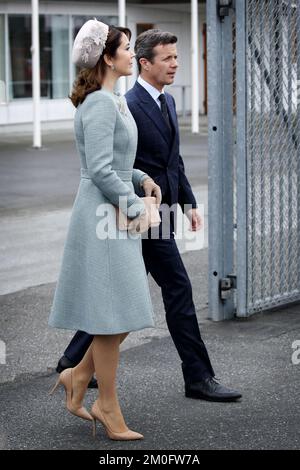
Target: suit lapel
<point>148,105</point>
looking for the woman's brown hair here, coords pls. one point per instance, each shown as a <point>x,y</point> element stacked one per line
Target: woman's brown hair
<point>89,80</point>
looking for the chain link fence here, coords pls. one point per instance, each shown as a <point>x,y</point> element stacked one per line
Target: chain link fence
<point>273,184</point>
<point>262,153</point>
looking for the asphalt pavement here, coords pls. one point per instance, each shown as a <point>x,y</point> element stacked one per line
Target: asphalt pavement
<point>254,356</point>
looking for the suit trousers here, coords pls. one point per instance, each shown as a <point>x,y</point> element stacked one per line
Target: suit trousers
<point>163,261</point>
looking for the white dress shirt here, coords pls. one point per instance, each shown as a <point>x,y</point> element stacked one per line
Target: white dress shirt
<point>151,90</point>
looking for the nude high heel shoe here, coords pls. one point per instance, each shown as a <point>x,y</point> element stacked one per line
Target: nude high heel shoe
<point>65,379</point>
<point>115,436</point>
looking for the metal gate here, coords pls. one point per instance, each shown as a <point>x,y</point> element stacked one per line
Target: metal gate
<point>254,160</point>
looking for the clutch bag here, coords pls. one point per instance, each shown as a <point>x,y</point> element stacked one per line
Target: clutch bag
<point>141,224</point>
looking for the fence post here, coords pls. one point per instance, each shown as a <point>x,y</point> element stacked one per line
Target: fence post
<point>241,156</point>
<point>220,159</point>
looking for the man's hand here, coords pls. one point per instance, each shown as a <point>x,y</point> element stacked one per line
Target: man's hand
<point>195,220</point>
<point>152,189</point>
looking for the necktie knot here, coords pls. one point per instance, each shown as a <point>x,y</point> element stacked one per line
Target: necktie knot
<point>162,98</point>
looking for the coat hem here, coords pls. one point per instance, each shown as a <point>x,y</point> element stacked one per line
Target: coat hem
<point>102,332</point>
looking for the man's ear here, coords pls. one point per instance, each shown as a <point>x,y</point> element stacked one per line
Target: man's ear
<point>144,63</point>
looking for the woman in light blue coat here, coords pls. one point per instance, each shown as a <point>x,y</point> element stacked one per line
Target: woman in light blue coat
<point>102,287</point>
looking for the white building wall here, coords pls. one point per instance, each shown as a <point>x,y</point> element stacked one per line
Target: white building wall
<point>174,18</point>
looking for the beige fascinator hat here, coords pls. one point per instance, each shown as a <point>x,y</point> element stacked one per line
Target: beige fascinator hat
<point>89,43</point>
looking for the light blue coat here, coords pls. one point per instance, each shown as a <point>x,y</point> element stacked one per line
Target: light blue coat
<point>102,286</point>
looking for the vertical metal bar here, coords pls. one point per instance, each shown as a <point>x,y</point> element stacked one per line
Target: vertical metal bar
<point>268,165</point>
<point>298,137</point>
<point>251,189</point>
<point>122,12</point>
<point>36,87</point>
<point>195,66</point>
<point>279,114</point>
<point>273,171</point>
<point>220,159</point>
<point>241,89</point>
<point>259,162</point>
<point>289,280</point>
<point>122,82</point>
<point>9,95</point>
<point>71,65</point>
<point>251,150</point>
<point>262,168</point>
<point>214,159</point>
<point>228,200</point>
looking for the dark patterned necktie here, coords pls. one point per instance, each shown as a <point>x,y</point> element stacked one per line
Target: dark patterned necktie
<point>164,109</point>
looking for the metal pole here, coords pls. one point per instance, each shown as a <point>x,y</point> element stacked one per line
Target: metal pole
<point>36,90</point>
<point>195,66</point>
<point>8,96</point>
<point>241,71</point>
<point>122,85</point>
<point>71,65</point>
<point>215,253</point>
<point>298,143</point>
<point>220,161</point>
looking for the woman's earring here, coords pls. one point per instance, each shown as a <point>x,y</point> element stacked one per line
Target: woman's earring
<point>112,67</point>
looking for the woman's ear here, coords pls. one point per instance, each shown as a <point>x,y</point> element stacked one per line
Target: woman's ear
<point>107,60</point>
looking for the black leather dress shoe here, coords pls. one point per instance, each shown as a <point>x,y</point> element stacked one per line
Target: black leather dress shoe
<point>209,389</point>
<point>65,363</point>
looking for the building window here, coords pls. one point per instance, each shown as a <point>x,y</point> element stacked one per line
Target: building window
<point>54,53</point>
<point>54,59</point>
<point>54,56</point>
<point>19,60</point>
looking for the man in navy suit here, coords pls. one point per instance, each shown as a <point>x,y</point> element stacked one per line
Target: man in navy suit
<point>158,155</point>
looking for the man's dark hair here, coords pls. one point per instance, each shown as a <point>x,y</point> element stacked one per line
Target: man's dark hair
<point>146,41</point>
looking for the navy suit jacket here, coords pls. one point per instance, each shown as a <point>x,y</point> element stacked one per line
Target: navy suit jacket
<point>158,147</point>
